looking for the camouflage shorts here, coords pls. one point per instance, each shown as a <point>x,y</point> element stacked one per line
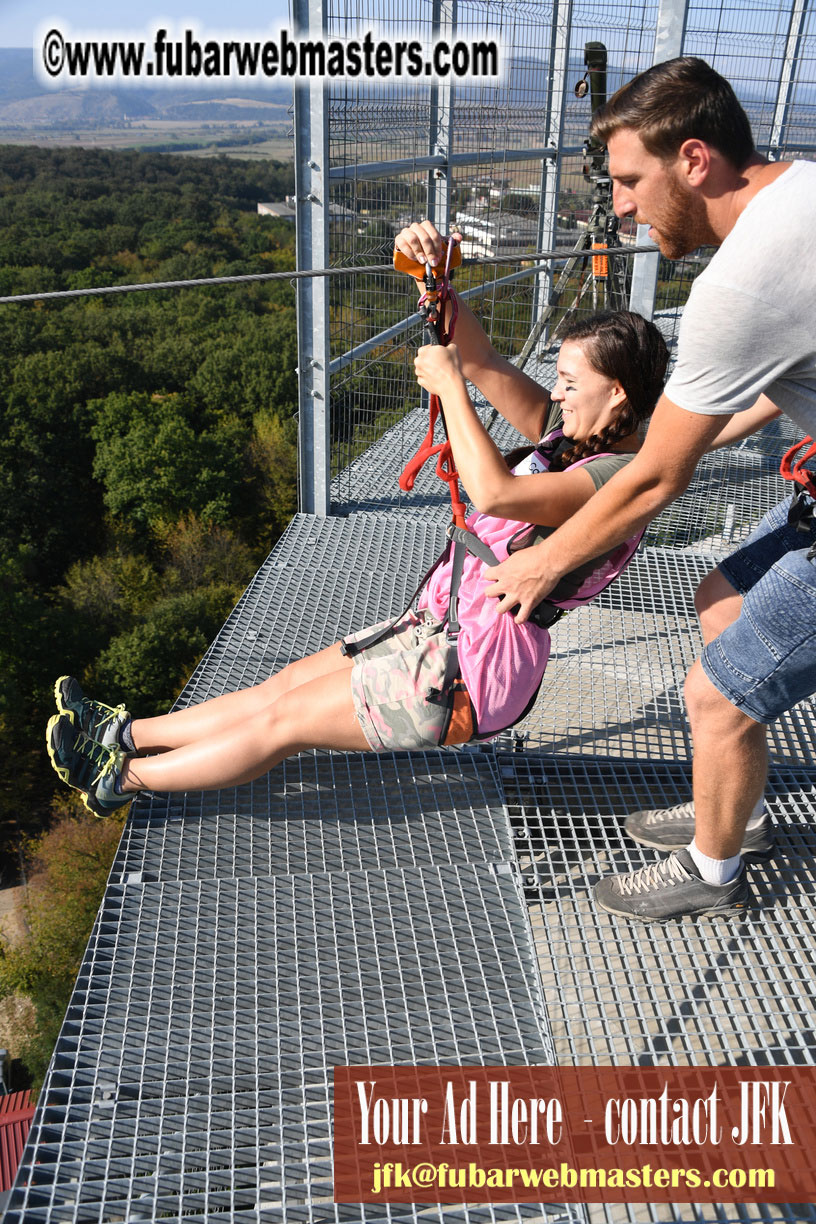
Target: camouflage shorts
<point>393,684</point>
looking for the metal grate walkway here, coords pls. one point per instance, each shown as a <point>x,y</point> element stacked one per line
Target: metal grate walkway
<point>342,909</point>
<point>417,907</point>
<point>193,1075</point>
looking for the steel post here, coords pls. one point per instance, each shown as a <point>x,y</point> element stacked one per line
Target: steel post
<point>312,250</point>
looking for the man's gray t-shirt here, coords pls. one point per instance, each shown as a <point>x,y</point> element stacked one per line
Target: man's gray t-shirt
<point>749,325</point>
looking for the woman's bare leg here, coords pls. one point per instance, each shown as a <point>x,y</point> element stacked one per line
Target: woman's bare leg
<point>317,714</point>
<point>211,718</point>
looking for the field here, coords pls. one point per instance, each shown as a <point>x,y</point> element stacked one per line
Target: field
<point>251,141</point>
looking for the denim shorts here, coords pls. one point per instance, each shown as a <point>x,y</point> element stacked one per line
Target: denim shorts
<point>765,662</point>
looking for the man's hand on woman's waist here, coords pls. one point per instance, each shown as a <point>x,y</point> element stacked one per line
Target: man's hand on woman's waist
<point>523,580</point>
<point>655,477</point>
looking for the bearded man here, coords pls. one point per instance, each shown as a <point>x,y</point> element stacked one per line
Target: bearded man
<point>683,161</point>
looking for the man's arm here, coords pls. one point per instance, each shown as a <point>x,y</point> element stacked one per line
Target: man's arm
<point>742,424</point>
<point>659,473</point>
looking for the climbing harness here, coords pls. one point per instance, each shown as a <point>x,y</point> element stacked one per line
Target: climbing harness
<point>461,540</point>
<point>574,589</point>
<point>800,514</point>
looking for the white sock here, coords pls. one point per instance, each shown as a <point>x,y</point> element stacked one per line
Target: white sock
<point>715,871</point>
<point>755,819</point>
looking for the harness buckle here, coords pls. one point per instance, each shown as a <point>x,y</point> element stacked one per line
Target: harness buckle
<point>800,512</point>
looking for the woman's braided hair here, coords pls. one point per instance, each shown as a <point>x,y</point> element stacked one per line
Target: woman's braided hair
<point>621,345</point>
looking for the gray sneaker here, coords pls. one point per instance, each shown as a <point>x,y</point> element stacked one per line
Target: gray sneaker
<point>91,768</point>
<point>671,888</point>
<point>99,722</point>
<point>673,829</point>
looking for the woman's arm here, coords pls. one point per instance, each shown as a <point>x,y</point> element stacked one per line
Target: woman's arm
<point>519,399</point>
<point>546,498</point>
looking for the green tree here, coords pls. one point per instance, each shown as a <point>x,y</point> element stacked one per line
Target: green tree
<point>147,666</point>
<point>107,590</point>
<point>132,471</point>
<point>29,649</point>
<point>69,867</point>
<point>153,463</point>
<point>197,553</point>
<point>274,459</point>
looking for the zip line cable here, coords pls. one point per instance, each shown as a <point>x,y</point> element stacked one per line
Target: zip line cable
<point>542,256</point>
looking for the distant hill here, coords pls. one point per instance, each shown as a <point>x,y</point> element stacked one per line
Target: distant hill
<point>24,102</point>
<point>17,79</point>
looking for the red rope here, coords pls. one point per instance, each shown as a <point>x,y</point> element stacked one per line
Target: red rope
<point>445,466</point>
<point>797,471</point>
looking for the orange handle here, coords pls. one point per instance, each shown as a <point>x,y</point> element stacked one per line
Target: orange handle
<point>403,264</point>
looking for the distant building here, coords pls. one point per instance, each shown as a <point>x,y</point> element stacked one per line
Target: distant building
<point>285,210</point>
<point>487,234</point>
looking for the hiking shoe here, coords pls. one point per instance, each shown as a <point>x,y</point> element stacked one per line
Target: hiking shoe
<point>673,829</point>
<point>85,765</point>
<point>100,722</point>
<point>671,888</point>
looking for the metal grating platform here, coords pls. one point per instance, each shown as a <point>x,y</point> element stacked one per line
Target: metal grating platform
<point>193,1076</point>
<point>614,683</point>
<point>342,909</point>
<point>324,813</point>
<point>711,991</point>
<point>748,484</point>
<point>350,908</point>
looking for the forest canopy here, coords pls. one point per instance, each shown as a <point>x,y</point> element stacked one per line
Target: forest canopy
<point>148,441</point>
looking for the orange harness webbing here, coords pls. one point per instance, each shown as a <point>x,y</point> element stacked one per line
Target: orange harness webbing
<point>432,308</point>
<point>797,471</point>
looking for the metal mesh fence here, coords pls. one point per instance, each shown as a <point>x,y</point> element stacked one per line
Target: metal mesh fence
<point>508,207</point>
<point>767,51</point>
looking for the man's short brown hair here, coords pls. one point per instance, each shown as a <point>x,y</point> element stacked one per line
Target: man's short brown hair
<point>681,99</point>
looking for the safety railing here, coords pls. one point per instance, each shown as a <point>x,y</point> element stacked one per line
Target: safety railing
<point>502,162</point>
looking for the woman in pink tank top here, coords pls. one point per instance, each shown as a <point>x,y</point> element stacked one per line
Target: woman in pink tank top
<point>397,694</point>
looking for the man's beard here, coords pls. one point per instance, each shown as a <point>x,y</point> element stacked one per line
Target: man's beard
<point>683,225</point>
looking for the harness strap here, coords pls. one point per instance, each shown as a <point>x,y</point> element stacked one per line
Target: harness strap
<point>801,512</point>
<point>464,541</point>
<point>432,308</point>
<point>473,544</point>
<point>461,540</point>
<point>796,470</point>
<point>350,649</point>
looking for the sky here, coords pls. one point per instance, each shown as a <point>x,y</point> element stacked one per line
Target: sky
<point>20,19</point>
